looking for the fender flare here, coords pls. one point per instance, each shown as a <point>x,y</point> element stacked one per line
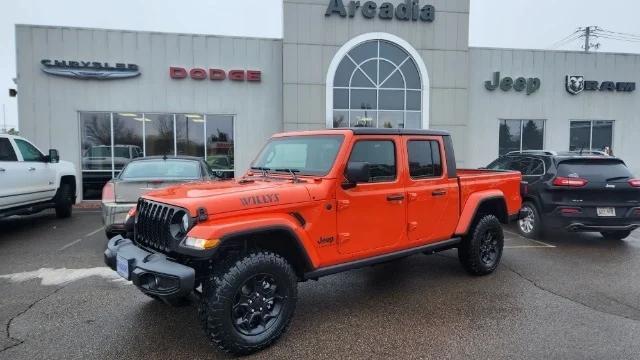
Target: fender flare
<point>475,200</point>
<point>227,231</point>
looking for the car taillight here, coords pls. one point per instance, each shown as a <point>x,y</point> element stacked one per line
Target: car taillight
<point>108,193</point>
<point>634,182</point>
<point>570,210</point>
<point>568,181</point>
<point>130,214</point>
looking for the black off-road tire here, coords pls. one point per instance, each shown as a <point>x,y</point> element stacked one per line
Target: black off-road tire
<point>616,235</point>
<point>64,201</point>
<point>481,249</point>
<point>227,283</point>
<point>531,226</point>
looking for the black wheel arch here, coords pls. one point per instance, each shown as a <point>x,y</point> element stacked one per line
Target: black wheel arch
<point>68,180</point>
<point>281,240</point>
<point>494,205</point>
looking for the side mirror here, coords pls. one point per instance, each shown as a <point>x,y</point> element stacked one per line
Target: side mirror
<point>53,157</point>
<point>356,172</point>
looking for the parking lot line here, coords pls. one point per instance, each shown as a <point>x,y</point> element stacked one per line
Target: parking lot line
<point>542,244</point>
<point>95,231</point>
<point>70,244</point>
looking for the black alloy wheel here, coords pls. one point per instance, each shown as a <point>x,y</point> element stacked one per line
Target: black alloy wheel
<point>489,247</point>
<point>257,305</point>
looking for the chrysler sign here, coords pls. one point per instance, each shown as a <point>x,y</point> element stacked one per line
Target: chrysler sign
<point>89,69</point>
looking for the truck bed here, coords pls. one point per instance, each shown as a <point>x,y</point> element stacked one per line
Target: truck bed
<point>477,180</point>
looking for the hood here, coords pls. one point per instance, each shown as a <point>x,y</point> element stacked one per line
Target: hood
<point>226,196</point>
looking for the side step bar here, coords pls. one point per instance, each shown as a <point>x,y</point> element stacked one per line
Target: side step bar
<point>429,249</point>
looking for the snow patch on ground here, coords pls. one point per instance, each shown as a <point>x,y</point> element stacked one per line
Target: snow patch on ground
<point>52,277</point>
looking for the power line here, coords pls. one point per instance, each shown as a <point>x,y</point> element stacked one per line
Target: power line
<point>573,36</point>
<point>626,35</point>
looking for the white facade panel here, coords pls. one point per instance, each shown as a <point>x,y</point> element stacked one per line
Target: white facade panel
<point>552,102</point>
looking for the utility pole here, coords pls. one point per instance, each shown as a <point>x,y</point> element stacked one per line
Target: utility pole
<point>587,33</point>
<point>590,32</point>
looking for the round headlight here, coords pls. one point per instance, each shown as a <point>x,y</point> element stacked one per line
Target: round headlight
<point>179,225</point>
<point>185,222</point>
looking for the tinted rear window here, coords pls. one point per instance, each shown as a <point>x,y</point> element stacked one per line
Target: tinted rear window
<point>161,169</point>
<point>594,170</point>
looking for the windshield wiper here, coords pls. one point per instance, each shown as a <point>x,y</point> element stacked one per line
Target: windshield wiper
<point>617,178</point>
<point>292,172</point>
<point>264,170</point>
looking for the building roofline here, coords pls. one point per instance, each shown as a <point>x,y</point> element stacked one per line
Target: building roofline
<point>579,52</point>
<point>31,26</point>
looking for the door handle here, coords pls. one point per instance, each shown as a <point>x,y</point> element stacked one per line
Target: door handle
<point>395,197</point>
<point>439,192</point>
<point>32,169</point>
<point>2,170</point>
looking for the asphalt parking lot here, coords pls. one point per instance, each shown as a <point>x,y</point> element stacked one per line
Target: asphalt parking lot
<point>569,297</point>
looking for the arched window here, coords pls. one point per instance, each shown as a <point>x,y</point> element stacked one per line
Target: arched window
<point>377,84</point>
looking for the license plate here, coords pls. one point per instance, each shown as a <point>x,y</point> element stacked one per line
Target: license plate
<point>122,267</point>
<point>606,211</point>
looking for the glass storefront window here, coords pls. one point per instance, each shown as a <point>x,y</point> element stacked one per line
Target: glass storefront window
<point>127,138</point>
<point>377,84</point>
<point>95,130</point>
<point>518,135</point>
<point>591,135</point>
<point>189,130</point>
<point>159,134</point>
<point>219,138</point>
<point>111,140</point>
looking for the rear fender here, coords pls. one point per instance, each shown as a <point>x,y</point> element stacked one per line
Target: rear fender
<point>472,205</point>
<point>227,229</point>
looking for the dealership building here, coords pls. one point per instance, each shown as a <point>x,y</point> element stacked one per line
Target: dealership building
<point>103,97</point>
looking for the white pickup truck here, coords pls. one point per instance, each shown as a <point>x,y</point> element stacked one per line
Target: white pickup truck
<point>31,181</point>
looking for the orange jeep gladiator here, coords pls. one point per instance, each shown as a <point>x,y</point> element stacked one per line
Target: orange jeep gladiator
<point>313,204</point>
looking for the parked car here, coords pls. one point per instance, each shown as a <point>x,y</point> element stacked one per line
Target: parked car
<point>142,175</point>
<point>594,192</point>
<point>221,164</point>
<point>314,204</point>
<point>31,181</point>
<point>99,157</point>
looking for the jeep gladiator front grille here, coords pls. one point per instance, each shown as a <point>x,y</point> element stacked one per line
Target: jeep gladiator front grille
<point>152,225</point>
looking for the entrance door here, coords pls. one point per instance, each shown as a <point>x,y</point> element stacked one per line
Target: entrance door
<point>372,216</point>
<point>432,197</point>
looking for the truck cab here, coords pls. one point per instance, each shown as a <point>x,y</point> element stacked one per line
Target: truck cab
<point>313,204</point>
<point>31,181</point>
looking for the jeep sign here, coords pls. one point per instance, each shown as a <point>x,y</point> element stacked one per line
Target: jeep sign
<point>531,85</point>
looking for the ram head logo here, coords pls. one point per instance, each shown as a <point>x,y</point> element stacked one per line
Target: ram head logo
<point>575,84</point>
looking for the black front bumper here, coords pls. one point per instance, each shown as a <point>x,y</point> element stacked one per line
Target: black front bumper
<point>153,273</point>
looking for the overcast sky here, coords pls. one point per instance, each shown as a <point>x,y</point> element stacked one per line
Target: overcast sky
<point>536,24</point>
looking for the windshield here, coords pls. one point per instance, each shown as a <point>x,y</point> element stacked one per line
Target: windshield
<point>310,155</point>
<point>105,151</point>
<point>162,169</point>
<point>596,170</point>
